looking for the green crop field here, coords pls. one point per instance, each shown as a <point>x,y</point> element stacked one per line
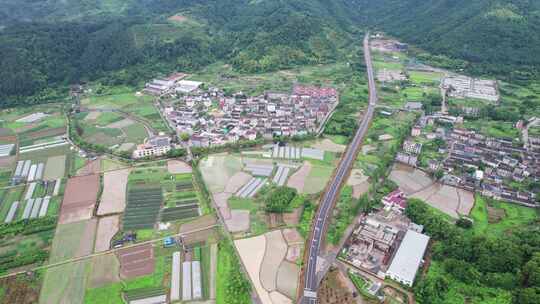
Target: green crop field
<point>425,78</point>
<point>112,293</point>
<point>143,205</point>
<point>493,128</point>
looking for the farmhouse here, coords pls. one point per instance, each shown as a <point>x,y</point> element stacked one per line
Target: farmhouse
<point>155,146</point>
<point>396,200</point>
<point>408,258</point>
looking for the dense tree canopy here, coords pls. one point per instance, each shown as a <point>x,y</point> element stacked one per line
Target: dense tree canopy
<point>509,261</point>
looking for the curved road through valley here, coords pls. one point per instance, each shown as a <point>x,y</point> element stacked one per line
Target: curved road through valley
<point>327,202</point>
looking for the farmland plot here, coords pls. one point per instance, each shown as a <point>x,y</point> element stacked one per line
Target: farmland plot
<point>79,199</point>
<point>182,201</point>
<point>113,199</point>
<point>143,205</point>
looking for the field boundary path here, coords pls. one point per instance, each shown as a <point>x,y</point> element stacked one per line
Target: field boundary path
<point>110,251</point>
<point>310,278</point>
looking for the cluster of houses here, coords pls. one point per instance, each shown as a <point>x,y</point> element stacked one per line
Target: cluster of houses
<point>491,165</point>
<point>476,162</point>
<point>211,118</point>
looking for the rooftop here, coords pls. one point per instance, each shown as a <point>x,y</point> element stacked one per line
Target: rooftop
<point>409,255</point>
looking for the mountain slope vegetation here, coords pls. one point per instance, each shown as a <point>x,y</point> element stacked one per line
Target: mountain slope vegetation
<point>125,42</point>
<point>47,44</point>
<point>499,37</point>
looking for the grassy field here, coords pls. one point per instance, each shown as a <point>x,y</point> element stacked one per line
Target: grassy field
<point>425,78</point>
<point>493,128</point>
<point>230,281</point>
<point>317,178</point>
<point>513,216</point>
<point>65,283</point>
<point>125,99</point>
<point>223,76</point>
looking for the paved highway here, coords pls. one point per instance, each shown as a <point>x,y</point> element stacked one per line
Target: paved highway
<point>327,202</point>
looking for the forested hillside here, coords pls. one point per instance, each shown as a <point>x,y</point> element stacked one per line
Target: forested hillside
<point>47,44</point>
<point>495,36</point>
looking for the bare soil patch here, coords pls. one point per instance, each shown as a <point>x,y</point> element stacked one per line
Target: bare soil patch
<point>107,228</point>
<point>4,132</point>
<point>7,161</point>
<point>91,167</point>
<point>239,221</point>
<point>293,218</point>
<point>448,199</point>
<point>221,200</point>
<point>287,279</point>
<point>55,167</point>
<point>79,198</point>
<point>334,289</point>
<point>20,290</point>
<point>126,146</point>
<point>360,189</point>
<point>294,253</point>
<point>495,215</point>
<point>298,179</point>
<point>200,223</point>
<point>200,237</point>
<point>279,298</point>
<point>92,115</point>
<point>328,145</point>
<point>218,169</point>
<point>136,261</point>
<point>237,181</point>
<point>104,271</point>
<point>357,177</point>
<point>251,251</point>
<point>292,237</point>
<point>178,167</point>
<point>466,201</point>
<point>409,179</point>
<point>276,250</point>
<point>126,122</point>
<point>178,18</point>
<point>46,133</point>
<point>113,199</point>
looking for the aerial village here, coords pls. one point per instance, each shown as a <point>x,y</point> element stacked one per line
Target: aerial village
<point>151,228</point>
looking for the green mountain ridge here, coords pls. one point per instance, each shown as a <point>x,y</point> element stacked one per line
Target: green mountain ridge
<point>495,36</point>
<point>47,44</point>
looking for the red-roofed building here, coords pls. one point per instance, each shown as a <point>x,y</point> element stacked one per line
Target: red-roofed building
<point>315,92</point>
<point>395,200</point>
